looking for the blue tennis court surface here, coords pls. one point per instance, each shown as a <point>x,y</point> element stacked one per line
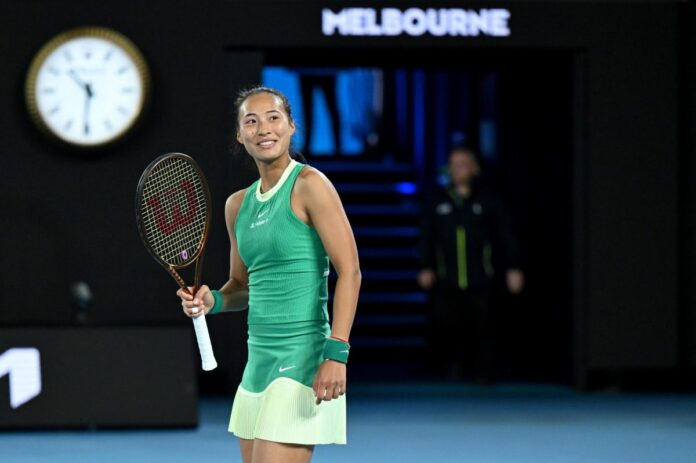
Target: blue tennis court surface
<point>515,423</point>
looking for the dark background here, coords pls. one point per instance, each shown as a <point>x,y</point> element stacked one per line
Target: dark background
<point>139,376</point>
<point>525,102</point>
<point>622,311</point>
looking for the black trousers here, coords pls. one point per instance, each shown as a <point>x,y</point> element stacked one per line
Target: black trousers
<point>461,336</point>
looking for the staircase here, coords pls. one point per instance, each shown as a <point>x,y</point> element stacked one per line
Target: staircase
<point>381,199</point>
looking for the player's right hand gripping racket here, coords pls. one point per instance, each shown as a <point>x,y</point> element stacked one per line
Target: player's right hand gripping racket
<point>172,207</point>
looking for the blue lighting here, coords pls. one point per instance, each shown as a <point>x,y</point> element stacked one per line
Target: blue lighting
<point>354,93</point>
<point>419,114</point>
<point>406,188</point>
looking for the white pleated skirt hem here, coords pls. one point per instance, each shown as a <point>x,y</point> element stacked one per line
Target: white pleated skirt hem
<point>286,411</point>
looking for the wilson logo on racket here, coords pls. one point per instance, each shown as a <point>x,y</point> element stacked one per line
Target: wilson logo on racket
<point>169,219</point>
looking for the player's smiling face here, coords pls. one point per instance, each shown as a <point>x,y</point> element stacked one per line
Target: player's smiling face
<point>264,128</point>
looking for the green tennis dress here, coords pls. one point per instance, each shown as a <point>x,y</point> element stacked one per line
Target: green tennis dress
<point>288,323</point>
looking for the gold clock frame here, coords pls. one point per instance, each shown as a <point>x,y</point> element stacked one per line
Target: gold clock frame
<point>87,31</point>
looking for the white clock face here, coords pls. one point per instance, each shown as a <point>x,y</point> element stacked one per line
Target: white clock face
<point>89,91</point>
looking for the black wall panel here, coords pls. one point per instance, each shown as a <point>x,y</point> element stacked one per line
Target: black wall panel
<point>68,218</point>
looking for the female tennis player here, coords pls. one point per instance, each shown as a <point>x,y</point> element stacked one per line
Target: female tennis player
<point>284,229</point>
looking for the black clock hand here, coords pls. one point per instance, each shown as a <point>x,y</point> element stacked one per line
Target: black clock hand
<point>77,80</point>
<point>90,94</point>
<point>88,91</point>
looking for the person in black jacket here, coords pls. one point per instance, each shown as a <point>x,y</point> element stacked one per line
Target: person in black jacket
<point>466,230</point>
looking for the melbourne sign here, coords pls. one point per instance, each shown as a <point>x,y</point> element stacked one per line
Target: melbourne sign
<point>416,22</point>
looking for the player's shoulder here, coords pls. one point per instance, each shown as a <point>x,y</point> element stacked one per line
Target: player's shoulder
<point>234,201</point>
<point>312,179</point>
<point>232,206</point>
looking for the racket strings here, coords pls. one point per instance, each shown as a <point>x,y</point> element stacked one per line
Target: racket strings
<point>174,211</point>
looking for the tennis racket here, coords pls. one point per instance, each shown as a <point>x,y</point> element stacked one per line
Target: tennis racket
<point>172,208</point>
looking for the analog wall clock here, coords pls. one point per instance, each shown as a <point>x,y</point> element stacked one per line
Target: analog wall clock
<point>87,87</point>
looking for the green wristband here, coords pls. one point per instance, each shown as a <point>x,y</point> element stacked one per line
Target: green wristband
<point>217,307</point>
<point>336,350</point>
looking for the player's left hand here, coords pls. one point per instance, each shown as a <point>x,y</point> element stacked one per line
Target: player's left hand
<point>330,381</point>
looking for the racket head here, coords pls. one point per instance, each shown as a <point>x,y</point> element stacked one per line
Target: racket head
<point>172,208</point>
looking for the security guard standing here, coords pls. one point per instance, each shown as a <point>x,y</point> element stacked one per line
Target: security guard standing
<point>465,230</point>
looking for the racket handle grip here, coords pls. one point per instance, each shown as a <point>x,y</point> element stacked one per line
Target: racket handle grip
<point>204,346</point>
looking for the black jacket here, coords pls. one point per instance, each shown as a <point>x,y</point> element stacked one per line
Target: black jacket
<point>466,240</point>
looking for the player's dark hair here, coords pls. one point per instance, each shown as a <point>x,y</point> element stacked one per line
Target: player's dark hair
<point>248,92</point>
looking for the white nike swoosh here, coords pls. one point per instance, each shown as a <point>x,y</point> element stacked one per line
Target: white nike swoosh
<point>261,214</point>
<point>281,369</point>
<point>344,351</point>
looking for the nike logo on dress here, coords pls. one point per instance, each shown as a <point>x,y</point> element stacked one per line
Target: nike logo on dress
<point>344,351</point>
<point>281,369</point>
<point>262,213</point>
